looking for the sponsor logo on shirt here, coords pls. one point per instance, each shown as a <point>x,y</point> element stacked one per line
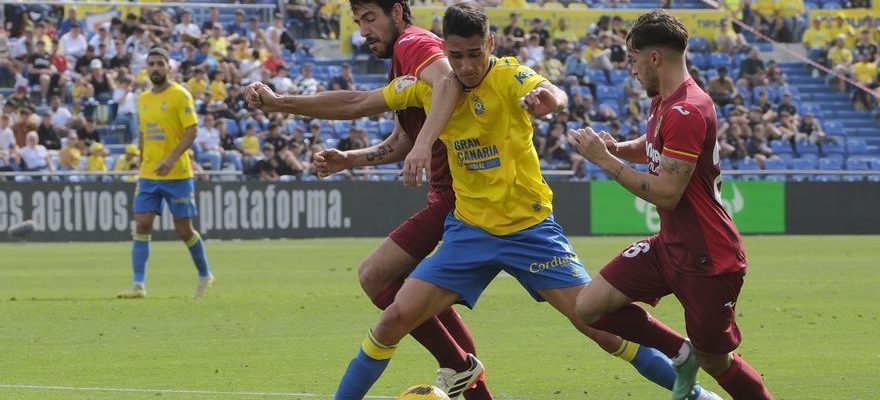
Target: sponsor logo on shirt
<point>681,110</point>
<point>404,82</point>
<point>522,75</point>
<point>474,156</point>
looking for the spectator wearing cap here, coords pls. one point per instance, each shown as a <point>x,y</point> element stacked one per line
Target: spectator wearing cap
<point>721,88</point>
<point>128,161</point>
<point>186,30</point>
<point>237,27</point>
<point>73,44</point>
<point>282,82</point>
<point>345,79</point>
<point>102,82</point>
<point>34,156</point>
<point>47,133</point>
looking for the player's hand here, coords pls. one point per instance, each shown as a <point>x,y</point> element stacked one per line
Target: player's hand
<point>260,96</point>
<point>610,141</point>
<point>539,102</point>
<point>330,161</point>
<point>588,144</point>
<point>164,166</point>
<point>416,166</point>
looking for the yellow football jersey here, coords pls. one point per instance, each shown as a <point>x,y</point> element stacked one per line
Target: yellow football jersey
<point>163,118</point>
<point>495,170</point>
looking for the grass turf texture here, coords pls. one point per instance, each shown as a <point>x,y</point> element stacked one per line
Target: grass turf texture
<point>287,316</point>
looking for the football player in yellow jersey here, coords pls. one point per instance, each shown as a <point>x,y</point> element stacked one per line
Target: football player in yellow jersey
<point>167,129</point>
<point>503,218</point>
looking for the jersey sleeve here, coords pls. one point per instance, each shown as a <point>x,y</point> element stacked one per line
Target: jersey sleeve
<point>683,131</point>
<point>415,52</point>
<point>406,91</point>
<point>523,80</point>
<point>187,110</point>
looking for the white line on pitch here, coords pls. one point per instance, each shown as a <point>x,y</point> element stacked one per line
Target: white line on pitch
<point>173,391</point>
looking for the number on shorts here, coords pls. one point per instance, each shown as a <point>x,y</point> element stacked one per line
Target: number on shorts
<point>636,249</point>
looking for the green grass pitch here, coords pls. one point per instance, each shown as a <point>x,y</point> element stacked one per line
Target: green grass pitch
<point>286,317</point>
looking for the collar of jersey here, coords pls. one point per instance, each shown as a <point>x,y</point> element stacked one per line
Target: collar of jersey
<point>469,88</point>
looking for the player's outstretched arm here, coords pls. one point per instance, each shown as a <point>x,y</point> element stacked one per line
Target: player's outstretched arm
<point>444,97</point>
<point>393,149</point>
<point>335,104</point>
<point>663,190</point>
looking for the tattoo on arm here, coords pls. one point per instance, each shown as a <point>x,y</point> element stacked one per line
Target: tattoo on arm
<point>644,185</point>
<point>380,153</point>
<point>674,167</point>
<point>618,171</point>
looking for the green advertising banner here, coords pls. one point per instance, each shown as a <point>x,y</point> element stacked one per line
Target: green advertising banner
<point>756,207</point>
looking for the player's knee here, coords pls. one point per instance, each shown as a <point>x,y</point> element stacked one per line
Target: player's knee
<point>393,325</point>
<point>143,227</point>
<point>370,281</point>
<point>585,310</point>
<point>714,364</point>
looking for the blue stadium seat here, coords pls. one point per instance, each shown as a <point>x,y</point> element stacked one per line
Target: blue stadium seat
<point>614,105</point>
<point>833,145</point>
<point>386,126</point>
<point>597,75</point>
<point>780,147</point>
<point>803,163</point>
<point>853,178</point>
<point>619,75</point>
<point>699,44</point>
<point>342,128</point>
<point>827,178</point>
<point>805,147</point>
<point>774,164</point>
<point>718,60</point>
<point>700,60</point>
<point>857,164</point>
<point>830,164</point>
<point>833,127</point>
<point>599,126</point>
<point>231,127</point>
<point>726,165</point>
<point>608,93</point>
<point>775,178</point>
<point>573,125</point>
<point>856,146</point>
<point>331,143</point>
<point>749,164</point>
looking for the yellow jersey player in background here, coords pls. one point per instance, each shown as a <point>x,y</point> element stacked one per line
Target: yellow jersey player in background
<point>168,122</point>
<point>503,217</point>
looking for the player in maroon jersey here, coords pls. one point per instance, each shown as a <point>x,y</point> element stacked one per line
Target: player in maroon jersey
<point>698,255</point>
<point>389,31</point>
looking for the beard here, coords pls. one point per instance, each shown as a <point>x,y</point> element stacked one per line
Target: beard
<point>388,51</point>
<point>158,80</point>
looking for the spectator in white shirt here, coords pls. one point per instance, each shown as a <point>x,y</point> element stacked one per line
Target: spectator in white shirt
<point>102,37</point>
<point>60,114</point>
<point>186,29</point>
<point>35,156</point>
<point>73,44</point>
<point>252,70</point>
<point>208,140</point>
<point>306,83</point>
<point>282,82</point>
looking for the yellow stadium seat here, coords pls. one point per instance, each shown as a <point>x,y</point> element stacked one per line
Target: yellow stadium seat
<point>580,6</point>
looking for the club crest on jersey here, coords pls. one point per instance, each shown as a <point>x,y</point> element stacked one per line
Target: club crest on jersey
<point>681,110</point>
<point>522,75</point>
<point>404,82</point>
<point>164,106</point>
<point>479,109</point>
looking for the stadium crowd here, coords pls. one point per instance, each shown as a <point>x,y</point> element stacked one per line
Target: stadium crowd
<point>75,86</point>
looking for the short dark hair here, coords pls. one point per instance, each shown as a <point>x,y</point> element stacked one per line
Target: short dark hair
<point>158,51</point>
<point>658,28</point>
<point>465,20</point>
<point>386,6</point>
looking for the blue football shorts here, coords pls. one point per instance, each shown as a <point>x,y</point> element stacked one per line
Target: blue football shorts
<point>539,257</point>
<point>178,194</point>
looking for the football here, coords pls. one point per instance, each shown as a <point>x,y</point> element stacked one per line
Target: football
<point>423,392</point>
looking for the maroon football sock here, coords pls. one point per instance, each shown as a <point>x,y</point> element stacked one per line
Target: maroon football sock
<point>633,323</point>
<point>742,381</point>
<point>458,329</point>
